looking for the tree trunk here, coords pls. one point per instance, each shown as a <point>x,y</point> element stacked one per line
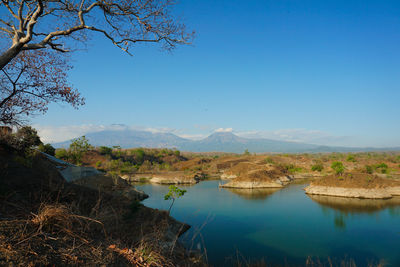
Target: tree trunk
<point>8,55</point>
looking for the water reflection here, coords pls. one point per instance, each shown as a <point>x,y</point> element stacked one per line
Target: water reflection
<point>254,193</point>
<point>356,205</point>
<point>284,227</point>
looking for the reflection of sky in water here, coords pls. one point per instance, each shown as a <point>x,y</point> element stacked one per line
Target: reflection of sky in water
<point>284,224</point>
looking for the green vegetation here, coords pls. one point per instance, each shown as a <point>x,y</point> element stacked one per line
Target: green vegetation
<point>77,148</point>
<point>246,152</point>
<point>104,150</point>
<point>382,167</point>
<point>317,167</point>
<point>338,167</point>
<point>269,160</point>
<point>62,153</point>
<point>369,169</point>
<point>24,140</point>
<point>173,194</point>
<point>291,168</point>
<point>47,148</point>
<point>351,158</point>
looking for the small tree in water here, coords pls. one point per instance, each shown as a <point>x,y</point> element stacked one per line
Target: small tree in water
<point>174,193</point>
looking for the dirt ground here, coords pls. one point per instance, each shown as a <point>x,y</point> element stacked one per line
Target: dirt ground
<point>45,221</point>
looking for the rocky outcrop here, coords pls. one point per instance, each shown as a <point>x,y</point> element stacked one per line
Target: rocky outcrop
<point>113,185</point>
<point>253,184</point>
<point>306,175</point>
<point>371,193</point>
<point>94,179</point>
<point>246,182</point>
<point>226,176</point>
<point>394,191</point>
<point>178,177</point>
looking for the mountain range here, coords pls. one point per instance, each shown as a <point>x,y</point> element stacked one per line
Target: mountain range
<point>219,141</point>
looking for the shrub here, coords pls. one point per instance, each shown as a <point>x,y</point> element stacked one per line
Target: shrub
<point>369,169</point>
<point>104,150</point>
<point>246,152</point>
<point>47,148</point>
<point>62,154</point>
<point>139,155</point>
<point>77,148</point>
<point>25,139</point>
<point>351,158</point>
<point>317,167</point>
<point>291,168</point>
<point>338,167</point>
<point>98,164</point>
<point>177,153</point>
<point>383,167</point>
<point>269,160</point>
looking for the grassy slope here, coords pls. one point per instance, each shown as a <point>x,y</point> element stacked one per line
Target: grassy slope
<point>45,221</point>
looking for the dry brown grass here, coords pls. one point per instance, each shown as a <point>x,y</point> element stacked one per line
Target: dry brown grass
<point>356,180</point>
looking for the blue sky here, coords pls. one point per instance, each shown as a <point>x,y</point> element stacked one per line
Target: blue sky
<point>313,71</point>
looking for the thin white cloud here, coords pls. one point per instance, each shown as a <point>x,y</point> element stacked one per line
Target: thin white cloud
<point>303,136</point>
<point>193,136</point>
<point>224,130</point>
<point>54,134</point>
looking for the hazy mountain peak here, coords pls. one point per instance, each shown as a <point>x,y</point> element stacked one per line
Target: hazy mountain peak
<point>222,141</point>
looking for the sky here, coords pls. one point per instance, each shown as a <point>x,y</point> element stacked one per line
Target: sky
<point>325,72</point>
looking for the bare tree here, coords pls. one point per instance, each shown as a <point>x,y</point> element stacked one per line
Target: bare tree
<point>30,82</point>
<point>37,24</point>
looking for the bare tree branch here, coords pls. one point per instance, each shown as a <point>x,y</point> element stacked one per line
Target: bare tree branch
<point>30,82</point>
<point>50,24</point>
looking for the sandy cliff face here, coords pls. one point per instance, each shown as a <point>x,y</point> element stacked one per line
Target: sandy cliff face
<point>252,184</point>
<point>165,178</point>
<point>379,193</point>
<point>356,185</point>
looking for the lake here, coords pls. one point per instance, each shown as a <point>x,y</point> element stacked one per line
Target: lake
<point>284,226</point>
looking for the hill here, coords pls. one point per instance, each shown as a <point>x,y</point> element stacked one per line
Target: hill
<point>220,141</point>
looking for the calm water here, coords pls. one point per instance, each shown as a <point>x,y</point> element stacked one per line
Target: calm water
<point>283,226</point>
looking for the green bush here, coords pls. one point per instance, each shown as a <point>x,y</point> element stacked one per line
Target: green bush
<point>104,150</point>
<point>98,164</point>
<point>47,148</point>
<point>25,139</point>
<point>369,169</point>
<point>291,168</point>
<point>269,160</point>
<point>177,153</point>
<point>62,153</point>
<point>338,167</point>
<point>317,167</point>
<point>351,158</point>
<point>383,167</point>
<point>77,148</point>
<point>139,155</point>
